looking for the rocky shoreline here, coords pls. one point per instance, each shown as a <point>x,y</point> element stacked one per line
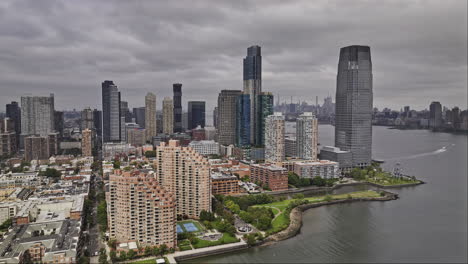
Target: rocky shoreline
<point>296,216</point>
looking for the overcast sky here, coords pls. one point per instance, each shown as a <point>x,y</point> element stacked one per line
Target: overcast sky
<point>419,48</point>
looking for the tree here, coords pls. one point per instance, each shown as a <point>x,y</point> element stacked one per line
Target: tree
<point>298,196</point>
<point>232,206</point>
<point>148,251</point>
<point>102,256</point>
<point>155,251</point>
<point>150,154</point>
<point>319,181</point>
<point>50,173</point>
<point>163,249</point>
<point>131,254</point>
<point>123,255</point>
<point>102,215</point>
<point>113,256</point>
<point>328,198</point>
<point>5,225</point>
<point>251,239</point>
<point>206,216</point>
<point>81,260</point>
<point>112,243</point>
<point>116,164</point>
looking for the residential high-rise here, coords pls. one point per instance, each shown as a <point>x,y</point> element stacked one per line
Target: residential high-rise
<point>435,115</point>
<point>125,112</point>
<point>86,142</point>
<point>168,116</point>
<point>8,142</point>
<point>150,116</point>
<point>196,114</point>
<point>111,121</point>
<point>59,123</point>
<point>353,118</point>
<point>87,119</point>
<point>274,138</point>
<point>215,117</point>
<point>13,111</point>
<point>265,109</point>
<point>39,147</point>
<point>243,121</point>
<point>253,86</point>
<point>140,210</point>
<point>136,136</point>
<point>139,114</point>
<point>37,115</point>
<point>226,116</point>
<point>307,136</point>
<point>186,173</point>
<point>177,90</point>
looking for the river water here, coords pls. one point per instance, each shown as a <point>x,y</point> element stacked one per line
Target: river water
<point>427,224</point>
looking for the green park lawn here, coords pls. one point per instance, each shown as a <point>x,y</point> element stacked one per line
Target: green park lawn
<point>146,261</point>
<point>226,239</point>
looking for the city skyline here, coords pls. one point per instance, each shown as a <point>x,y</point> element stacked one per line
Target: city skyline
<point>136,62</point>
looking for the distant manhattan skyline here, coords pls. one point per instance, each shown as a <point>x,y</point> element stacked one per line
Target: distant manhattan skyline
<point>419,49</point>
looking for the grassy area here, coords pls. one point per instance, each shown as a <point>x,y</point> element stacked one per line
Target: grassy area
<point>184,248</point>
<point>226,239</point>
<point>281,221</point>
<point>146,261</point>
<point>386,180</point>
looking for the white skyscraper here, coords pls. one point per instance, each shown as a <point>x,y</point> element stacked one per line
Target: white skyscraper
<point>274,138</point>
<point>307,136</point>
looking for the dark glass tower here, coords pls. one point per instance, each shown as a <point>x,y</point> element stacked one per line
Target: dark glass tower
<point>226,116</point>
<point>177,90</point>
<point>196,114</point>
<point>353,119</point>
<point>265,108</point>
<point>13,111</point>
<point>253,87</point>
<point>111,121</point>
<point>243,121</point>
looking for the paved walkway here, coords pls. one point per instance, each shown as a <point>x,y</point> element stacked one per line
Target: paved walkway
<point>171,257</point>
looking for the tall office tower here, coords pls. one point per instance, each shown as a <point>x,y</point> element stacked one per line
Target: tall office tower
<point>86,142</point>
<point>307,136</point>
<point>150,116</point>
<point>139,114</point>
<point>59,123</point>
<point>97,118</point>
<point>196,114</point>
<point>37,115</point>
<point>168,115</point>
<point>227,111</point>
<point>186,173</point>
<point>456,121</point>
<point>184,121</point>
<point>13,111</point>
<point>353,119</point>
<point>215,117</point>
<point>159,122</point>
<point>253,86</point>
<point>111,122</point>
<point>87,119</point>
<point>265,109</point>
<point>243,120</point>
<point>8,135</point>
<point>140,210</point>
<point>274,138</point>
<point>177,90</point>
<point>125,111</point>
<point>435,115</point>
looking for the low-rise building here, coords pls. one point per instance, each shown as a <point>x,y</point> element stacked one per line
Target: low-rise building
<point>225,184</point>
<point>274,177</point>
<point>205,147</point>
<point>322,168</point>
<point>344,158</point>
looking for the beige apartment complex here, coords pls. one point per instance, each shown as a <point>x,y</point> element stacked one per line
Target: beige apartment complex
<point>307,136</point>
<point>150,116</point>
<point>186,173</point>
<point>86,142</point>
<point>140,209</point>
<point>168,115</point>
<point>274,138</point>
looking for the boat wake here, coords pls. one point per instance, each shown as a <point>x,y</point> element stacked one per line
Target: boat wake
<point>435,152</point>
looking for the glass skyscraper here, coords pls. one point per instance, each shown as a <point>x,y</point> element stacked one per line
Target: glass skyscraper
<point>253,87</point>
<point>243,121</point>
<point>177,98</point>
<point>353,119</point>
<point>111,121</point>
<point>196,114</point>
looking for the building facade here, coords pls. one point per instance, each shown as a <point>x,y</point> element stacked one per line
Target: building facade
<point>344,158</point>
<point>111,121</point>
<point>87,119</point>
<point>186,173</point>
<point>224,184</point>
<point>37,115</point>
<point>243,121</point>
<point>8,142</point>
<point>354,97</point>
<point>168,116</point>
<point>196,114</point>
<point>435,115</point>
<point>226,116</point>
<point>271,176</point>
<point>274,138</point>
<point>205,147</point>
<point>177,99</point>
<point>136,136</point>
<point>310,169</point>
<point>307,136</point>
<point>87,142</point>
<point>150,116</point>
<point>253,86</point>
<point>13,111</point>
<point>140,210</point>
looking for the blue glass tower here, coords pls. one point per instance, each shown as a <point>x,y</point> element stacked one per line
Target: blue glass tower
<point>253,88</point>
<point>243,121</point>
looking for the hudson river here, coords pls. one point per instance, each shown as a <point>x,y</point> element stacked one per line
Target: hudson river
<point>427,224</point>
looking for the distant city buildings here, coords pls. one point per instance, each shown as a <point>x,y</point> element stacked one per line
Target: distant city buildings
<point>435,115</point>
<point>196,114</point>
<point>86,142</point>
<point>139,114</point>
<point>269,176</point>
<point>8,142</point>
<point>37,115</point>
<point>168,115</point>
<point>226,116</point>
<point>224,184</point>
<point>186,173</point>
<point>150,116</point>
<point>274,138</point>
<point>13,111</point>
<point>177,99</point>
<point>205,147</point>
<point>353,121</point>
<point>111,128</point>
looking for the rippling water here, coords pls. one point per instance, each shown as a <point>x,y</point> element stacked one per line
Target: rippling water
<point>427,224</point>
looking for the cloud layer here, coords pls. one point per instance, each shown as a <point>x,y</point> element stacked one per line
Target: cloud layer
<point>419,48</point>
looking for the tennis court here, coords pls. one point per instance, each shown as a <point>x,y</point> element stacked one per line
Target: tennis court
<point>179,229</point>
<point>190,227</point>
